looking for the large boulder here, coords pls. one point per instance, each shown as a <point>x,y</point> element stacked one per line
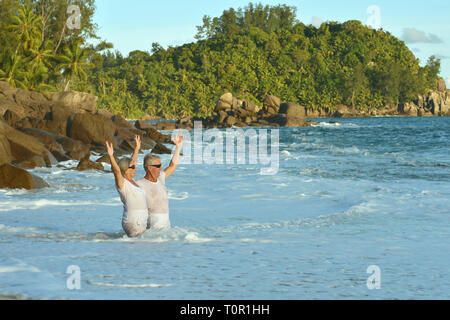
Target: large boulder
<point>105,113</point>
<point>74,101</point>
<point>87,164</point>
<point>50,141</point>
<point>91,129</point>
<point>230,121</point>
<point>440,85</point>
<point>129,133</point>
<point>295,122</point>
<point>157,136</point>
<point>272,105</point>
<point>121,122</point>
<point>166,125</point>
<point>225,102</point>
<point>434,103</point>
<point>11,118</point>
<point>342,111</point>
<point>23,146</point>
<point>445,104</point>
<point>409,109</point>
<point>74,149</point>
<point>142,124</point>
<point>105,159</point>
<point>251,107</point>
<point>283,120</point>
<point>293,110</point>
<point>12,177</point>
<point>161,149</point>
<point>5,151</point>
<point>30,163</point>
<point>222,116</point>
<point>56,121</point>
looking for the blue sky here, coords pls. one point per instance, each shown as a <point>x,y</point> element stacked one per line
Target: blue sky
<point>135,24</point>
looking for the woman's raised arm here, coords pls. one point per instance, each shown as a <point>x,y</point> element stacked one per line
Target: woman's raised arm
<point>135,156</point>
<point>114,166</point>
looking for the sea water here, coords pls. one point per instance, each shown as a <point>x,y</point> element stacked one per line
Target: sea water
<point>347,196</point>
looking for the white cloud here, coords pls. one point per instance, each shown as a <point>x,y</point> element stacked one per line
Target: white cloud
<point>411,35</point>
<point>316,22</point>
<point>448,82</point>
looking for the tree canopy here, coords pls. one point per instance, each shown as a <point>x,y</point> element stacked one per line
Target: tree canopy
<point>252,52</point>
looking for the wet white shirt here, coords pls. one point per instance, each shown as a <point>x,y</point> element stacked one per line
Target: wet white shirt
<point>157,202</point>
<point>135,210</point>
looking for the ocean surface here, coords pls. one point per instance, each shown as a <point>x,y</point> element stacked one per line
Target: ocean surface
<point>367,192</point>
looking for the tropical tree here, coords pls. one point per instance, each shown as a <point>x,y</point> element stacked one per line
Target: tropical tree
<point>26,25</point>
<point>74,63</point>
<point>11,72</point>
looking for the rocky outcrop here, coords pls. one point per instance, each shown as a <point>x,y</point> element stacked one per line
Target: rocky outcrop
<point>12,177</point>
<point>74,101</point>
<point>91,129</point>
<point>40,131</point>
<point>272,105</point>
<point>434,103</point>
<point>233,112</point>
<point>87,164</point>
<point>225,102</point>
<point>19,146</point>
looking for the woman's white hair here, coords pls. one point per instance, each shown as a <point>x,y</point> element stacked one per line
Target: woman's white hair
<point>124,165</point>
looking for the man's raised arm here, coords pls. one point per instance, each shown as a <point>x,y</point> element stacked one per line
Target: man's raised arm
<point>176,157</point>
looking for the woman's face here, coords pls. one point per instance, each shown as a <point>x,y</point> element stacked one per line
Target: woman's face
<point>131,173</point>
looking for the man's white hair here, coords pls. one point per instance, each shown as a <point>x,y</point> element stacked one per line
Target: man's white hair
<point>149,160</point>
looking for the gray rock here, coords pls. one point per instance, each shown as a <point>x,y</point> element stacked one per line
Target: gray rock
<point>12,177</point>
<point>75,101</point>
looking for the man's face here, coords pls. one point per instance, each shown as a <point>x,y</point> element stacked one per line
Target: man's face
<point>155,168</point>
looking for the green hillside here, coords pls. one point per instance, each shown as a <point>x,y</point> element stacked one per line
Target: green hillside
<point>252,52</point>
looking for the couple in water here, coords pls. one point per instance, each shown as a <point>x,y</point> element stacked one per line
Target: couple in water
<point>145,202</point>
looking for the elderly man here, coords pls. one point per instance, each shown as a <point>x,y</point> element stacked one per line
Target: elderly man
<point>154,184</point>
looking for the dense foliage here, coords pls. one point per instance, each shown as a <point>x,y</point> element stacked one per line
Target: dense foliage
<point>251,52</point>
<point>38,50</point>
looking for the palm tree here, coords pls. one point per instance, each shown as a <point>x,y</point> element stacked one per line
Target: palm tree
<point>74,62</point>
<point>41,57</point>
<point>35,79</point>
<point>11,72</point>
<point>26,26</point>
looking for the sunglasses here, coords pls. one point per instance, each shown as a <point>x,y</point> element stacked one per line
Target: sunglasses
<point>132,167</point>
<point>156,165</point>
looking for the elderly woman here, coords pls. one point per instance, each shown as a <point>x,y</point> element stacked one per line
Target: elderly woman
<point>135,211</point>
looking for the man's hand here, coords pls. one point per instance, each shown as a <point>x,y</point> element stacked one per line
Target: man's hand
<point>178,140</point>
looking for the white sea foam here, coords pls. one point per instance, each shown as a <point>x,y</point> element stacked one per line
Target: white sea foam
<point>320,221</point>
<point>175,234</point>
<point>327,124</point>
<point>11,269</point>
<point>285,153</point>
<point>143,285</point>
<point>7,229</point>
<point>33,205</point>
<point>177,195</point>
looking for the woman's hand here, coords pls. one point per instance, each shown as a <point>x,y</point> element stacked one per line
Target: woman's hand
<point>110,148</point>
<point>137,139</point>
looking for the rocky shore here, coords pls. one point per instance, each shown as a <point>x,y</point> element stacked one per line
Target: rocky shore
<point>40,131</point>
<point>233,112</point>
